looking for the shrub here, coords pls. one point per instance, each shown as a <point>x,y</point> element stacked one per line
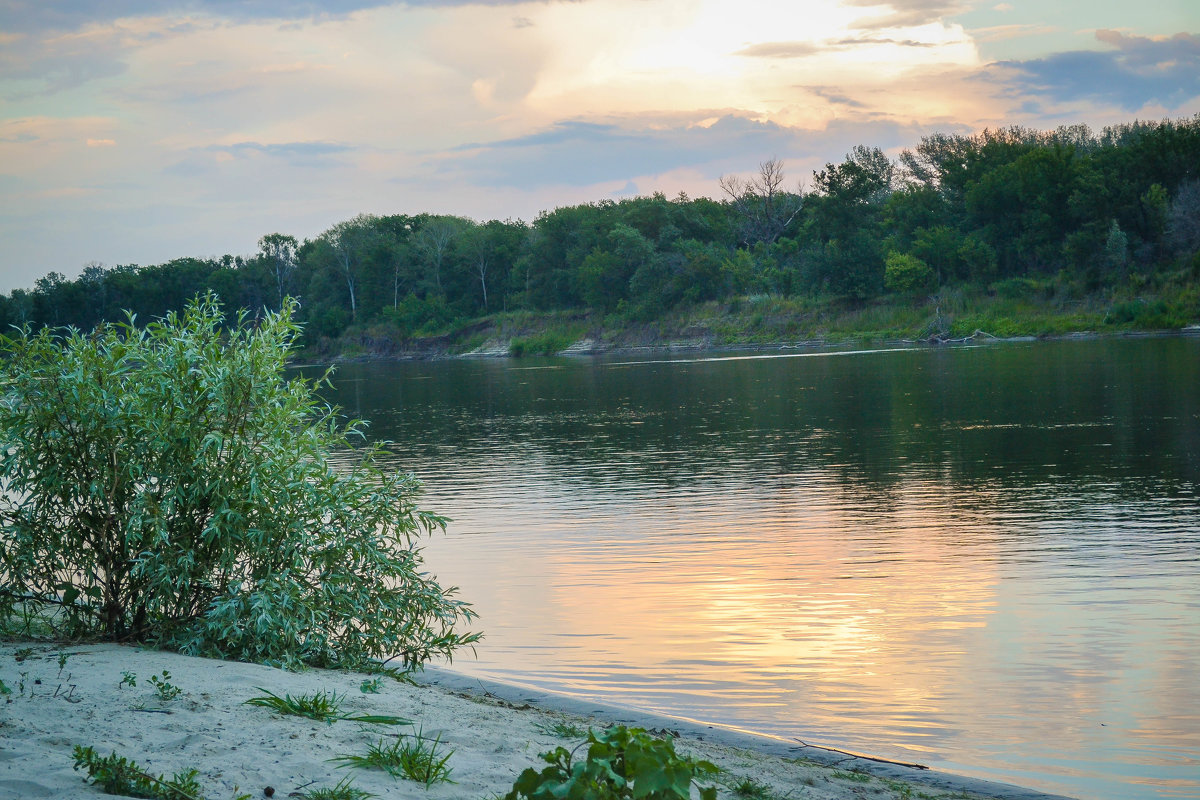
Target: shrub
<point>546,343</point>
<point>1141,315</point>
<point>167,484</point>
<point>621,763</point>
<point>906,273</point>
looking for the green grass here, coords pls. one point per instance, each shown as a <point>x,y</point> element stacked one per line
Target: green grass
<point>342,791</point>
<point>320,706</point>
<point>750,789</point>
<point>416,758</point>
<point>853,776</point>
<point>904,791</point>
<point>546,343</point>
<point>563,730</point>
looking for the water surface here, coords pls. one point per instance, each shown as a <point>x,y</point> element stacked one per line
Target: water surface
<point>982,559</point>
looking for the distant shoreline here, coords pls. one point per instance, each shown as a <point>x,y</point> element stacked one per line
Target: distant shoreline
<point>588,347</point>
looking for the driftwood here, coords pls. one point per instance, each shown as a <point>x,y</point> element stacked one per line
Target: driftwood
<point>864,758</point>
<point>940,338</point>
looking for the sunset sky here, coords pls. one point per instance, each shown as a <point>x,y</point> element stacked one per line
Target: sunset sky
<point>134,131</point>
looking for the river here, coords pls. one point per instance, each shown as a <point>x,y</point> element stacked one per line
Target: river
<point>984,559</point>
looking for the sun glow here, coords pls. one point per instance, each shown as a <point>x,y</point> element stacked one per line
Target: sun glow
<point>761,58</point>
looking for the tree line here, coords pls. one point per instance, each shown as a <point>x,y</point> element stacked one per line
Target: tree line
<point>989,210</point>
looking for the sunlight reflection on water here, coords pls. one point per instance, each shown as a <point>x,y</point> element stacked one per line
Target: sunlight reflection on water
<point>982,560</point>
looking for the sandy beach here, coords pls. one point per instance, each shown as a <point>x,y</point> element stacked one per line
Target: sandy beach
<point>494,731</point>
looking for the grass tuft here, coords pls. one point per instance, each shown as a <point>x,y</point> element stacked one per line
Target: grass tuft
<point>321,706</point>
<point>416,758</point>
<point>563,730</point>
<point>750,789</point>
<point>342,791</point>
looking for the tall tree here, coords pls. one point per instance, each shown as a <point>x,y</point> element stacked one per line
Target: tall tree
<point>435,237</point>
<point>279,252</point>
<point>349,242</point>
<point>764,206</point>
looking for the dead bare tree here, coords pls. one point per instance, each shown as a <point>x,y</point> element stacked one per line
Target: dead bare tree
<point>765,207</point>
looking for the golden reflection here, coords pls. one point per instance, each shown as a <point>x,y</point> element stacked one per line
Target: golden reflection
<point>792,611</point>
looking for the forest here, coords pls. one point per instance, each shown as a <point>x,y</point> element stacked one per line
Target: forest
<point>1106,223</point>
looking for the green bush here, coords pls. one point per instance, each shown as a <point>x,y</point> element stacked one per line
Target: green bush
<point>621,763</point>
<point>167,484</point>
<point>546,343</point>
<point>906,273</point>
<point>1142,315</point>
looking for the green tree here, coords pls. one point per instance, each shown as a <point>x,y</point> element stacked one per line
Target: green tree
<point>278,250</point>
<point>167,484</point>
<point>349,243</point>
<point>435,238</point>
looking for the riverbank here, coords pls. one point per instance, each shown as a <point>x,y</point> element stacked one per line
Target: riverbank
<point>102,696</point>
<point>777,323</point>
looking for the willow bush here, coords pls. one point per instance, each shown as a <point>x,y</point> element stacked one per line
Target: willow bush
<point>168,484</point>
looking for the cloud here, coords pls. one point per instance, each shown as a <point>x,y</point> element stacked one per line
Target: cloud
<point>803,49</point>
<point>779,50</point>
<point>1138,71</point>
<point>857,41</point>
<point>581,153</point>
<point>212,159</point>
<point>300,154</point>
<point>904,13</point>
<point>835,96</point>
<point>58,61</point>
<point>101,142</point>
<point>27,16</point>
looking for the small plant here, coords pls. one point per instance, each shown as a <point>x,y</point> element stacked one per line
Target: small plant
<point>370,685</point>
<point>904,791</point>
<point>128,679</point>
<point>116,774</point>
<point>853,775</point>
<point>4,690</point>
<point>621,763</point>
<point>343,791</point>
<point>22,654</point>
<point>416,758</point>
<point>321,706</point>
<point>563,730</point>
<point>62,661</point>
<point>167,691</point>
<point>751,789</point>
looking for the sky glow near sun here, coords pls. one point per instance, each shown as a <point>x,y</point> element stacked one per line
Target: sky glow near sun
<point>136,131</point>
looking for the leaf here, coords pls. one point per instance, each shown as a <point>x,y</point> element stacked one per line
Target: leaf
<point>69,593</point>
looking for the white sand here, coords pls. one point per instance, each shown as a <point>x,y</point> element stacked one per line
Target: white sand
<point>243,749</point>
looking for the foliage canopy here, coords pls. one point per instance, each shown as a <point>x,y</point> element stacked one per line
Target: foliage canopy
<point>1105,216</point>
<point>168,484</point>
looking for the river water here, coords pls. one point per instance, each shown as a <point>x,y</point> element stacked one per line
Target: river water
<point>984,559</point>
